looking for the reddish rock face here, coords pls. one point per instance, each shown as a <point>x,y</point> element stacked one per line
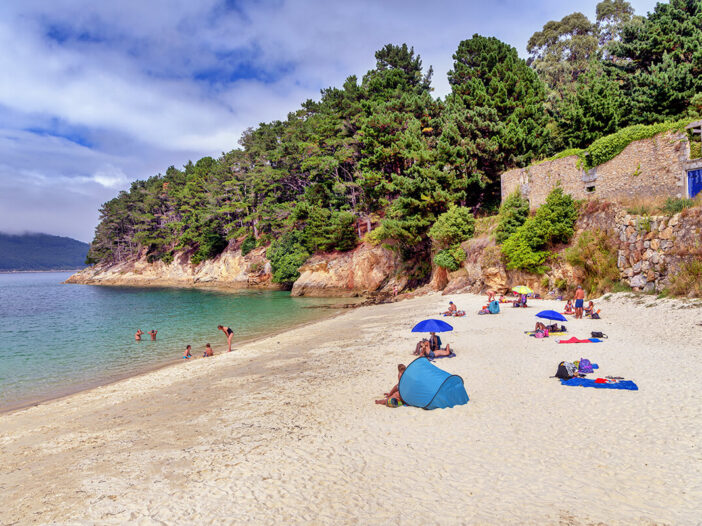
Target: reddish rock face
<point>364,269</point>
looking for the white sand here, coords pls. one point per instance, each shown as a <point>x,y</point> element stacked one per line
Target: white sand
<point>284,430</point>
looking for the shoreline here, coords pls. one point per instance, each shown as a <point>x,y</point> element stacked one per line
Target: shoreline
<point>86,387</point>
<point>252,435</point>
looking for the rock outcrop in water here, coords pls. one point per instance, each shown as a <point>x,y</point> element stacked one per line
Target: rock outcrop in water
<point>228,270</point>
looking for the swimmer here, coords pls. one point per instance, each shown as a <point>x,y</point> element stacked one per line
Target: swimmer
<point>137,335</point>
<point>152,333</point>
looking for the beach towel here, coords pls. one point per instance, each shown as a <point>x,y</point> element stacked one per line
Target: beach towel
<point>587,382</point>
<point>550,333</point>
<point>577,340</point>
<point>452,355</point>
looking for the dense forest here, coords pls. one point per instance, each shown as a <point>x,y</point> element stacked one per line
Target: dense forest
<point>380,158</point>
<point>40,252</point>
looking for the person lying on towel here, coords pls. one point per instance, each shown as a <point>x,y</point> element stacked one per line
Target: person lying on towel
<point>393,398</point>
<point>428,352</point>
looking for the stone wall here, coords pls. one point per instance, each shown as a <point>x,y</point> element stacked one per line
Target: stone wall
<point>647,168</point>
<point>651,249</point>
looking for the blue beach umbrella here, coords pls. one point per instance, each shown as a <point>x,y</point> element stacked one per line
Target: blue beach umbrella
<point>551,315</point>
<point>432,326</point>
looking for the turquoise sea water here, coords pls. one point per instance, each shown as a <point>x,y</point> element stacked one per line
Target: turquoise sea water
<point>56,339</point>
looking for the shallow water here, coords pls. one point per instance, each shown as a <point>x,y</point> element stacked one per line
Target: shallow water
<point>56,339</point>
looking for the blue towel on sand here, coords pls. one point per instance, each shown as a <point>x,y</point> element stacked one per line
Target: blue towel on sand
<point>452,355</point>
<point>586,382</point>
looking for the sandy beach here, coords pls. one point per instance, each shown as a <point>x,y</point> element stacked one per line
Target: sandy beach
<point>284,430</point>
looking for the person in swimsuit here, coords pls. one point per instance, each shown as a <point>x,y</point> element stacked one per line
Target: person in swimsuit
<point>229,334</point>
<point>568,307</point>
<point>434,347</point>
<point>187,353</point>
<point>452,309</point>
<point>428,352</point>
<point>137,335</point>
<point>590,309</point>
<point>152,333</point>
<point>579,300</point>
<point>208,351</point>
<point>393,398</point>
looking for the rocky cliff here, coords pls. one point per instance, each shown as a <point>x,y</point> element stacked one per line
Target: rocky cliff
<point>649,252</point>
<point>360,271</point>
<point>228,270</point>
<point>363,270</point>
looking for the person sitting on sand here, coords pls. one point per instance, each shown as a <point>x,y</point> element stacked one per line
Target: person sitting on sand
<point>427,351</point>
<point>569,307</point>
<point>229,334</point>
<point>452,309</point>
<point>539,327</point>
<point>393,398</point>
<point>137,335</point>
<point>153,333</point>
<point>187,353</point>
<point>435,345</point>
<point>208,351</point>
<point>589,309</point>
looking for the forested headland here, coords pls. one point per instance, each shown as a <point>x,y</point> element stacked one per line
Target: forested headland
<point>381,159</point>
<point>26,252</point>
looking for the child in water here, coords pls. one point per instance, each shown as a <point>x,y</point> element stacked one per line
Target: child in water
<point>187,353</point>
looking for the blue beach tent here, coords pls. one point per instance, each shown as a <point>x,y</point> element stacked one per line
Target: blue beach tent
<point>425,385</point>
<point>494,307</point>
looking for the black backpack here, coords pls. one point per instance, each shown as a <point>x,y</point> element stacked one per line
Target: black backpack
<point>598,334</point>
<point>566,370</point>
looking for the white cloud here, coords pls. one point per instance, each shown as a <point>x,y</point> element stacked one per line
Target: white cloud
<point>96,94</point>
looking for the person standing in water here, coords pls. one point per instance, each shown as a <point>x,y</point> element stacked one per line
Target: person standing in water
<point>229,334</point>
<point>137,335</point>
<point>153,333</point>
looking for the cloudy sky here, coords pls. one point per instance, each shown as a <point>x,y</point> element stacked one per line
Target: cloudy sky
<point>94,95</point>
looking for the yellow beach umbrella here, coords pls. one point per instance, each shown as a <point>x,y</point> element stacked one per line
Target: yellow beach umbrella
<point>521,289</point>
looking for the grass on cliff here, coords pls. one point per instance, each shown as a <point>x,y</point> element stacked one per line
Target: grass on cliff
<point>595,254</point>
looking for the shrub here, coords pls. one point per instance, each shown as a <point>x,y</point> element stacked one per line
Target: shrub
<point>450,258</point>
<point>553,223</point>
<point>210,244</point>
<point>674,205</point>
<point>287,255</point>
<point>513,213</point>
<point>688,281</point>
<point>452,227</point>
<point>595,253</point>
<point>491,257</point>
<point>248,245</point>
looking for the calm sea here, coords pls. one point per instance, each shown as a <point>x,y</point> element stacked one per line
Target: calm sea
<point>56,339</point>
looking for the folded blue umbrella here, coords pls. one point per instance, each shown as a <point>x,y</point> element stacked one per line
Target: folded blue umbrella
<point>432,326</point>
<point>551,315</point>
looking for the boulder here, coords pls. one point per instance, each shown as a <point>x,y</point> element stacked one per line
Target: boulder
<point>365,269</point>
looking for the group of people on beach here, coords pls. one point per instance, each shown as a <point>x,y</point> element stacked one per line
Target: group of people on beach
<point>228,332</point>
<point>578,308</point>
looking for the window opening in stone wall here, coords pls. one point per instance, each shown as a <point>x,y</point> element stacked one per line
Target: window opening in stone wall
<point>590,188</point>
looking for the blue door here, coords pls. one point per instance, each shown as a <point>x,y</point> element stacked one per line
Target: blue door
<point>694,182</point>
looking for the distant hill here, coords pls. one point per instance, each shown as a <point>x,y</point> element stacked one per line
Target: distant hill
<point>41,252</point>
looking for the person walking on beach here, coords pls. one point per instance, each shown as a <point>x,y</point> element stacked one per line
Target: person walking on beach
<point>579,300</point>
<point>229,334</point>
<point>153,333</point>
<point>208,351</point>
<point>137,335</point>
